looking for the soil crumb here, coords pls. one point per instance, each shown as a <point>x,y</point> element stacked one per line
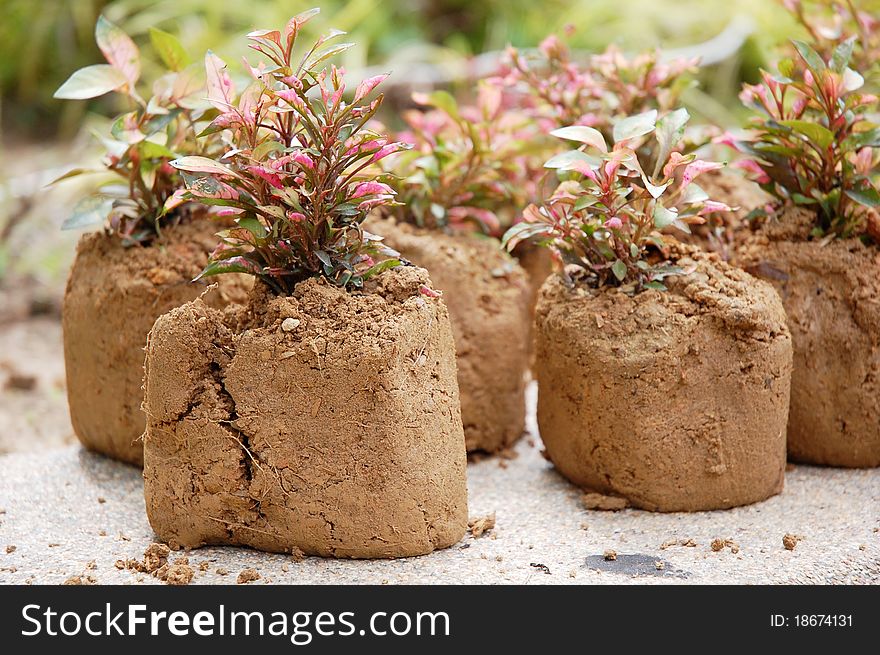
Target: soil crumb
<point>178,575</point>
<point>791,540</point>
<point>155,557</point>
<point>610,555</point>
<point>481,525</point>
<point>10,549</point>
<point>687,543</point>
<point>21,382</point>
<point>720,544</point>
<point>596,501</point>
<point>81,580</point>
<point>248,575</point>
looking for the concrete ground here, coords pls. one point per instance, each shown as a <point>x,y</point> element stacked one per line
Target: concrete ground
<point>66,512</point>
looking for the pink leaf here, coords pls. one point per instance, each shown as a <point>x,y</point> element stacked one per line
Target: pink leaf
<point>221,92</point>
<point>270,176</point>
<point>365,87</point>
<point>119,50</point>
<point>304,160</point>
<point>176,199</point>
<point>696,168</point>
<point>713,206</point>
<point>371,189</point>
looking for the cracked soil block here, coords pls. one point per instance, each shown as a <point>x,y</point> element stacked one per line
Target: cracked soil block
<point>113,296</point>
<point>675,400</point>
<point>486,291</point>
<point>326,421</point>
<point>831,294</point>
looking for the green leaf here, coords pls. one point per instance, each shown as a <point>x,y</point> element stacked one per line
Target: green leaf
<point>91,82</point>
<point>653,284</point>
<point>266,147</point>
<point>523,232</point>
<point>842,54</point>
<point>868,138</point>
<point>74,172</point>
<point>444,101</point>
<point>169,49</point>
<point>786,67</point>
<point>670,130</point>
<point>810,56</point>
<point>693,194</point>
<point>91,210</point>
<point>663,217</point>
<point>585,201</point>
<point>635,126</point>
<point>566,159</point>
<point>619,270</point>
<point>327,53</point>
<point>384,265</point>
<point>818,134</point>
<point>151,150</point>
<point>582,134</point>
<point>118,49</point>
<point>232,265</point>
<point>252,225</point>
<point>125,134</point>
<point>868,197</point>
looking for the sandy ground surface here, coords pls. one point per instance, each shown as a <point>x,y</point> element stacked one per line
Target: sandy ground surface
<point>33,401</point>
<point>66,512</point>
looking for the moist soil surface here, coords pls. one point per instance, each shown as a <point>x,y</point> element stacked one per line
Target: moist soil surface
<point>676,400</point>
<point>326,422</point>
<point>113,296</point>
<point>831,293</point>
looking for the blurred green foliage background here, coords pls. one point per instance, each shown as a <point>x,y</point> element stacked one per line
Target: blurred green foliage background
<point>42,42</point>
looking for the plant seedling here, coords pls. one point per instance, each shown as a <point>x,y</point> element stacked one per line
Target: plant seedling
<point>606,214</point>
<point>811,143</point>
<point>130,201</point>
<point>299,175</point>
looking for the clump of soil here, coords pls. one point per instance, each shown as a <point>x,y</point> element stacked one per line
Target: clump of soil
<point>113,296</point>
<point>487,295</point>
<point>81,580</point>
<point>687,543</point>
<point>17,381</point>
<point>247,575</point>
<point>10,549</point>
<point>610,555</point>
<point>341,437</point>
<point>718,545</point>
<point>679,401</point>
<point>175,574</point>
<point>790,541</point>
<point>155,557</point>
<point>482,525</point>
<point>831,293</point>
<point>594,501</point>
